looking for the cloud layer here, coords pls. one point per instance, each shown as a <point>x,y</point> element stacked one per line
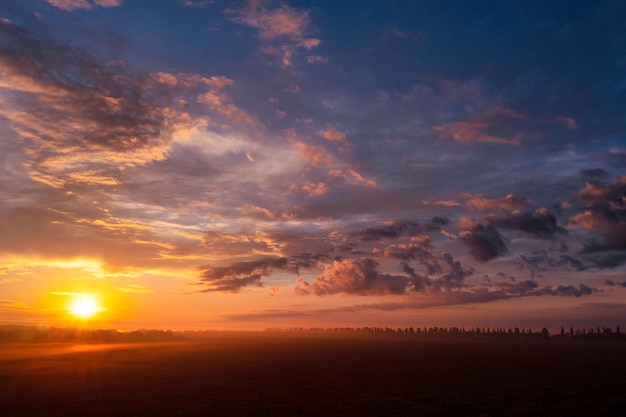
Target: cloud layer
<point>315,155</point>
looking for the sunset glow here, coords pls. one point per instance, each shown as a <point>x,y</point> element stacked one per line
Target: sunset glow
<point>85,306</point>
<point>277,164</point>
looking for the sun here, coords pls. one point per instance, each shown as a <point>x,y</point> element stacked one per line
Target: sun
<point>85,306</point>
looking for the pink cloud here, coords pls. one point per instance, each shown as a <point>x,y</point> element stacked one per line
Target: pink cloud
<point>280,22</point>
<point>283,30</point>
<point>444,203</point>
<point>333,135</point>
<point>351,175</point>
<point>70,5</point>
<point>255,211</point>
<point>508,203</point>
<point>471,131</point>
<point>316,156</point>
<point>108,3</point>
<point>315,189</point>
<point>477,128</point>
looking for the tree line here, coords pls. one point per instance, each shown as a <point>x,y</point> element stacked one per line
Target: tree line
<point>495,332</point>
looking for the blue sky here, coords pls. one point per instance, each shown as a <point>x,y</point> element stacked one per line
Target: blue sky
<point>254,163</point>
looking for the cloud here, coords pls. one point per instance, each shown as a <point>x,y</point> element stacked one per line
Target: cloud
<point>133,289</point>
<point>605,213</point>
<point>316,59</point>
<point>240,274</point>
<point>392,230</point>
<point>362,276</point>
<point>572,291</point>
<point>355,276</point>
<point>108,3</point>
<point>528,288</point>
<point>567,122</point>
<point>539,222</point>
<point>608,260</point>
<point>71,5</point>
<point>81,118</point>
<point>479,128</point>
<point>197,3</point>
<point>351,175</point>
<point>593,174</point>
<point>540,261</point>
<point>415,36</point>
<point>484,242</point>
<point>444,203</point>
<point>437,222</point>
<point>316,156</point>
<point>315,189</point>
<point>508,203</point>
<point>333,135</point>
<point>407,253</point>
<point>283,30</point>
<point>234,277</point>
<point>516,288</point>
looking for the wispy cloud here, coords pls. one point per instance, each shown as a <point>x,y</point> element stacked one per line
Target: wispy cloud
<point>508,203</point>
<point>283,30</point>
<point>484,127</point>
<point>71,5</point>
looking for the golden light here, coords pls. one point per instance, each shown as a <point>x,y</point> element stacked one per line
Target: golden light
<point>85,306</point>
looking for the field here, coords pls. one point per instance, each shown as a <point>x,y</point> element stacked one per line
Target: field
<point>315,374</point>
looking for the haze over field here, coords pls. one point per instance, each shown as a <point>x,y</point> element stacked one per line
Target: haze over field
<point>250,164</point>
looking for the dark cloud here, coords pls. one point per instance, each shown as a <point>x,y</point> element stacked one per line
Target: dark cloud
<point>608,260</point>
<point>500,291</point>
<point>612,283</point>
<point>531,288</point>
<point>573,263</point>
<point>362,276</point>
<point>440,221</point>
<point>420,282</point>
<point>593,174</point>
<point>605,214</point>
<point>240,274</point>
<point>453,275</point>
<point>413,252</point>
<point>571,291</point>
<point>250,273</point>
<point>390,231</point>
<point>408,252</point>
<point>520,288</point>
<point>484,242</point>
<point>437,222</point>
<point>355,276</point>
<point>528,288</point>
<point>540,261</point>
<point>541,222</point>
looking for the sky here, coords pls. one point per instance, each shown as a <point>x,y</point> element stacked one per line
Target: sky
<point>200,164</point>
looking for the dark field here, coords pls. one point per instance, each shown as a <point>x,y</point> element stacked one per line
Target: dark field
<point>293,374</point>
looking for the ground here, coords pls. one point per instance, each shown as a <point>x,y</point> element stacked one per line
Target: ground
<point>315,374</point>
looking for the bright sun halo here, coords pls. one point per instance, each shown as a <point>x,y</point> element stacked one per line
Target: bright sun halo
<point>84,307</point>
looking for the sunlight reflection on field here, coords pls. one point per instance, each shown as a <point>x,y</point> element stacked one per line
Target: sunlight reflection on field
<point>12,351</point>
